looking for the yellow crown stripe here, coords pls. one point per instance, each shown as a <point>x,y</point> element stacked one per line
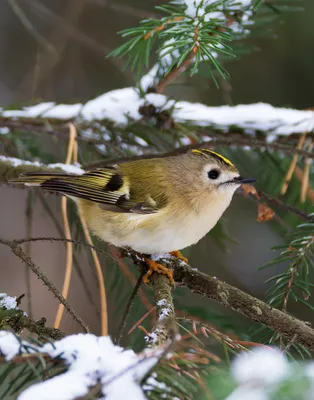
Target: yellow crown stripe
<point>204,151</point>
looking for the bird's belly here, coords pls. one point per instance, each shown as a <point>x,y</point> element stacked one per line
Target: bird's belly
<point>165,231</point>
<point>167,236</point>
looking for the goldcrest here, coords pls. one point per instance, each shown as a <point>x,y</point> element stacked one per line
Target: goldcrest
<point>157,205</point>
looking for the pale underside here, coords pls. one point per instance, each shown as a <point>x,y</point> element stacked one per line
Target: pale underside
<point>167,230</point>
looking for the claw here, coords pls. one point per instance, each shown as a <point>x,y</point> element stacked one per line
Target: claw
<point>159,268</point>
<point>179,256</point>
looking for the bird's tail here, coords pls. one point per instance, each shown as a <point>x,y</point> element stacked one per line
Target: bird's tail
<point>91,185</point>
<point>40,178</point>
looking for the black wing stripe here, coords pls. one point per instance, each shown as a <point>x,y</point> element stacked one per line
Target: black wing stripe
<point>75,193</point>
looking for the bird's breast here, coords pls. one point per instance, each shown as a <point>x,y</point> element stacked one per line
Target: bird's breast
<point>174,229</point>
<point>168,230</point>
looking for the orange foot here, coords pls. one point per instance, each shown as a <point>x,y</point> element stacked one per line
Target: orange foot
<point>179,256</point>
<point>160,269</point>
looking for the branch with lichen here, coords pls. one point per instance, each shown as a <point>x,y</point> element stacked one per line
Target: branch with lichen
<point>165,327</point>
<point>237,300</point>
<point>17,321</point>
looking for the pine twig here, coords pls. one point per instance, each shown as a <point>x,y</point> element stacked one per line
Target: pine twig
<point>260,195</point>
<point>18,251</point>
<point>174,73</point>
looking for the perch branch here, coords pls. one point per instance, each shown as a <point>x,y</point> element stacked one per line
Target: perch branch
<point>165,327</point>
<point>236,300</point>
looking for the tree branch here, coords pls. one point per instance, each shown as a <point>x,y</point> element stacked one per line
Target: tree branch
<point>229,140</point>
<point>245,304</point>
<point>235,299</point>
<point>18,321</point>
<point>166,327</point>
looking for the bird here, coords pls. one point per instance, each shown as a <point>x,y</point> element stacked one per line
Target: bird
<point>153,206</point>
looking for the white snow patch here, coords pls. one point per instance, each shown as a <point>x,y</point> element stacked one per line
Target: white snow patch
<point>29,112</point>
<point>69,168</point>
<point>123,104</point>
<point>260,116</point>
<point>11,346</point>
<point>93,360</point>
<point>243,393</point>
<point>46,110</point>
<point>161,302</point>
<point>258,372</point>
<point>4,130</point>
<point>117,105</point>
<point>16,162</point>
<point>150,79</point>
<point>260,367</point>
<point>164,313</point>
<point>152,383</point>
<point>8,302</point>
<point>160,256</point>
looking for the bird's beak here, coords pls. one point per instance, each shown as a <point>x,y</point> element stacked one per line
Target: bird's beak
<point>241,180</point>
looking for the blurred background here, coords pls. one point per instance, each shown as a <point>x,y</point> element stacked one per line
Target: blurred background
<point>54,50</point>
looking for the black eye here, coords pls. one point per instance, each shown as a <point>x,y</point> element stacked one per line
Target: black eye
<point>213,174</point>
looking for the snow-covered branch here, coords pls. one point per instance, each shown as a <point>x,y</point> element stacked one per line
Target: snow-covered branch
<point>123,106</point>
<point>90,360</point>
<point>12,317</point>
<point>11,167</point>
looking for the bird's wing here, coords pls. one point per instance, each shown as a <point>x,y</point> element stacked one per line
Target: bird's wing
<point>104,186</point>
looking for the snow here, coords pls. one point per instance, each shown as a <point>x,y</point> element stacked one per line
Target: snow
<point>161,302</point>
<point>46,110</point>
<point>196,8</point>
<point>164,313</point>
<point>160,256</point>
<point>150,79</point>
<point>152,383</point>
<point>8,302</point>
<point>16,162</point>
<point>69,168</point>
<point>4,131</point>
<point>117,105</point>
<point>258,372</point>
<point>262,366</point>
<point>93,360</point>
<point>121,105</point>
<point>11,346</point>
<point>259,116</point>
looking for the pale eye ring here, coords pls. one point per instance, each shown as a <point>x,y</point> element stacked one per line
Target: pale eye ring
<point>213,174</point>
